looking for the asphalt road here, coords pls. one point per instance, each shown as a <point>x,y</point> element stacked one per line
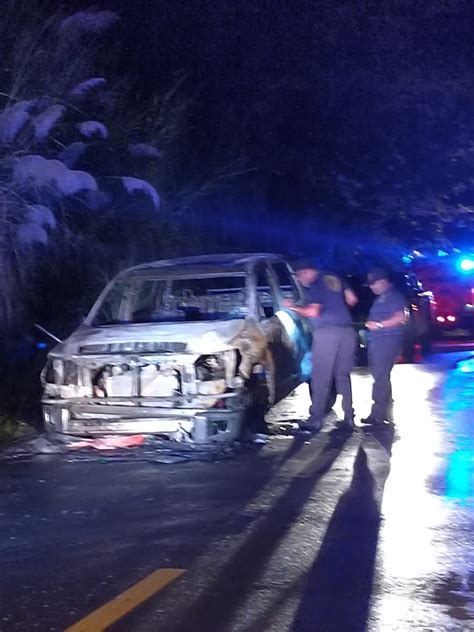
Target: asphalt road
<point>369,531</point>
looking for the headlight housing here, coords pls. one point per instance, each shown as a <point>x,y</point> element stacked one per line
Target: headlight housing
<point>60,372</point>
<point>48,372</point>
<point>219,366</point>
<point>71,373</point>
<point>210,367</point>
<point>58,368</point>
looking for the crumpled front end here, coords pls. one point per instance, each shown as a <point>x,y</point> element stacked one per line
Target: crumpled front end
<point>129,388</point>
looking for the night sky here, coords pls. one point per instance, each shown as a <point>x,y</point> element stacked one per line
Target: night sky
<point>354,115</point>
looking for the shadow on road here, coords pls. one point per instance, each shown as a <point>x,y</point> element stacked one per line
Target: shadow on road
<point>339,586</point>
<point>338,434</point>
<point>296,445</point>
<point>214,611</point>
<point>385,435</point>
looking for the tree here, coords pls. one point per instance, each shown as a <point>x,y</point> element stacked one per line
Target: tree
<point>55,119</point>
<point>354,115</point>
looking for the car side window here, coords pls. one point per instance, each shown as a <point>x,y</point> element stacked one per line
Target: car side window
<point>265,294</point>
<point>286,282</point>
<point>115,307</point>
<point>145,299</point>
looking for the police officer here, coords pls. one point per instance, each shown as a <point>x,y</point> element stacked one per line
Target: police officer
<point>387,318</point>
<point>327,301</point>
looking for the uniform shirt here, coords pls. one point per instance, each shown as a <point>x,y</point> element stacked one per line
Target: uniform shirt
<point>384,307</point>
<point>328,291</point>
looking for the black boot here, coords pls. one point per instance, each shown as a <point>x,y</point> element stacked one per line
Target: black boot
<point>311,425</point>
<point>371,421</point>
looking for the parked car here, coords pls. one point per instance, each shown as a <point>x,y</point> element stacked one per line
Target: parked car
<point>185,348</point>
<point>418,331</point>
<point>452,290</point>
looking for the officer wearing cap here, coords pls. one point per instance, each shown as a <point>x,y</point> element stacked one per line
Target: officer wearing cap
<point>327,300</point>
<point>386,321</point>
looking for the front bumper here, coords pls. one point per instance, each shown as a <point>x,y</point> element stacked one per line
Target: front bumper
<point>116,415</point>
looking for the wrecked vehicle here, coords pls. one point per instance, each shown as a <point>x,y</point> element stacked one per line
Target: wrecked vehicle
<point>184,348</point>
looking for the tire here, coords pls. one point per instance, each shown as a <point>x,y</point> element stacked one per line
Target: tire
<point>362,358</point>
<point>408,351</point>
<point>256,396</point>
<point>409,343</point>
<point>426,345</point>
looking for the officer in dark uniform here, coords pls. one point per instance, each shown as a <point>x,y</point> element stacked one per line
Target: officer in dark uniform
<point>387,318</point>
<point>334,340</point>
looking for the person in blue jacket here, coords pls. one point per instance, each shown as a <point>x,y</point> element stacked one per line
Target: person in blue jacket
<point>386,321</point>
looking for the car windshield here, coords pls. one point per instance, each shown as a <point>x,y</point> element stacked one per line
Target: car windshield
<point>173,300</point>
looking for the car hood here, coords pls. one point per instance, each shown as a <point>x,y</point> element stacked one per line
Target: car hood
<point>200,337</point>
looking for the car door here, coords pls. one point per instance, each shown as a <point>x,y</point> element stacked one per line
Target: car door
<point>297,329</point>
<point>282,360</point>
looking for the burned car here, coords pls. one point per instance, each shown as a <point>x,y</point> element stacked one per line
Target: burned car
<point>185,348</point>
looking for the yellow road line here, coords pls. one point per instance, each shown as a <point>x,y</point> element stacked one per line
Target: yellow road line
<point>124,603</point>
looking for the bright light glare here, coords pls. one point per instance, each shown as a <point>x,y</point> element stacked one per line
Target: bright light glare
<point>411,514</point>
<point>440,319</point>
<point>452,319</point>
<point>466,264</point>
<point>467,366</point>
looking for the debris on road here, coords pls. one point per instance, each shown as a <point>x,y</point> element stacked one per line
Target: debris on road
<point>147,448</point>
<point>107,443</point>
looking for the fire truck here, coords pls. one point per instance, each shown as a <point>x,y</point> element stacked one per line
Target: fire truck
<point>449,281</point>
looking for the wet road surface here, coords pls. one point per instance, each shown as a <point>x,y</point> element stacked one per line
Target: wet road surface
<point>370,531</point>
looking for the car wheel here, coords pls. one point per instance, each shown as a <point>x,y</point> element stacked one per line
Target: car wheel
<point>256,406</point>
<point>426,345</point>
<point>408,350</point>
<point>409,343</point>
<point>361,358</point>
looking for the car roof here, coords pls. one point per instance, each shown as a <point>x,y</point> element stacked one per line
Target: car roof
<point>201,264</point>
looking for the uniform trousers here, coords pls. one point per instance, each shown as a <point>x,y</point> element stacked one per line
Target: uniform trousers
<point>383,350</point>
<point>333,360</point>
